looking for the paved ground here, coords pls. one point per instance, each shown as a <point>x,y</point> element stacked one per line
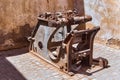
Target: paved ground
<point>20,65</point>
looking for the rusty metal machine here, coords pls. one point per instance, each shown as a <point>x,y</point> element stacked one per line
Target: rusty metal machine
<point>58,39</point>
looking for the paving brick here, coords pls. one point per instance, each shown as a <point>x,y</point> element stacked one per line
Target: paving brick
<point>24,66</point>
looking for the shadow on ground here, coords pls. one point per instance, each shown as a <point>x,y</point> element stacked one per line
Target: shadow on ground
<point>7,70</point>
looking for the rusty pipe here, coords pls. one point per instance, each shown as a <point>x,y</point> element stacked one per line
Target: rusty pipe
<point>72,21</point>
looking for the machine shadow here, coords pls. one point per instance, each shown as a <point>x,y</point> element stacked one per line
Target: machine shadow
<point>14,52</point>
<point>79,7</point>
<point>85,69</point>
<point>7,69</point>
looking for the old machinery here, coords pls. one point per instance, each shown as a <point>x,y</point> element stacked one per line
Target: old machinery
<point>58,40</point>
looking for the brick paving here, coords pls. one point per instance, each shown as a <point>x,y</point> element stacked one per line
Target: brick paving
<point>113,56</point>
<point>20,65</point>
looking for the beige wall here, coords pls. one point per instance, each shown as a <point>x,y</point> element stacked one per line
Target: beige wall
<point>18,17</point>
<point>105,13</point>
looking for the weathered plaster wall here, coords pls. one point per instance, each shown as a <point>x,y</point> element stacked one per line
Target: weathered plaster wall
<point>105,13</point>
<point>18,17</point>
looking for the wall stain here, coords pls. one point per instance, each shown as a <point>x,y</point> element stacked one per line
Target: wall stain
<point>105,14</point>
<point>18,17</point>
